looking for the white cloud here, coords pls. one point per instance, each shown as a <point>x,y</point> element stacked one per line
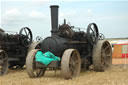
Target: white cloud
<point>40,2</point>
<point>90,13</point>
<point>111,18</point>
<point>67,13</point>
<point>64,0</point>
<point>36,14</point>
<point>12,16</point>
<point>12,12</point>
<point>16,0</point>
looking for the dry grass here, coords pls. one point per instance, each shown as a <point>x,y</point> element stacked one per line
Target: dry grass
<point>117,75</point>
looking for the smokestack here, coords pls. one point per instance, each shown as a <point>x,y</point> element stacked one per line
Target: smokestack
<point>54,19</point>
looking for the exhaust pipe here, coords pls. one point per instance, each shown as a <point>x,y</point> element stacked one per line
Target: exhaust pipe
<point>54,19</point>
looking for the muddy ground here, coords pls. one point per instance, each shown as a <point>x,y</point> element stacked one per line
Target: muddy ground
<point>117,75</point>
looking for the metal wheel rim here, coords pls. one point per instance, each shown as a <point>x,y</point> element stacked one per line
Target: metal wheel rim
<point>31,68</point>
<point>106,55</point>
<point>28,36</point>
<point>3,62</point>
<point>92,33</point>
<point>101,36</point>
<point>73,64</point>
<point>37,71</point>
<point>70,64</point>
<point>39,39</point>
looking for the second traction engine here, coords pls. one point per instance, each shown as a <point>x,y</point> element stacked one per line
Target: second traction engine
<point>13,49</point>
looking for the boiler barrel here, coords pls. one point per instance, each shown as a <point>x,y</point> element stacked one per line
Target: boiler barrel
<point>56,45</point>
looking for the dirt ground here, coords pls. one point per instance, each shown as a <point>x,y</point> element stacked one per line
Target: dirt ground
<point>119,61</point>
<point>117,75</point>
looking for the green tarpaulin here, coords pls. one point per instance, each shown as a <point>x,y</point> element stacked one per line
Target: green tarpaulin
<point>46,58</point>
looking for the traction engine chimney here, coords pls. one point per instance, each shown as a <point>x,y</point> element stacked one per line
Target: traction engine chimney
<point>54,19</point>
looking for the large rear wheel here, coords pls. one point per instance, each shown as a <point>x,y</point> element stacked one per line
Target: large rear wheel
<point>3,62</point>
<point>70,63</point>
<point>102,55</point>
<point>31,68</point>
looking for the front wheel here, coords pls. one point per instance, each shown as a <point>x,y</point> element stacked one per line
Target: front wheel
<point>31,68</point>
<point>70,63</point>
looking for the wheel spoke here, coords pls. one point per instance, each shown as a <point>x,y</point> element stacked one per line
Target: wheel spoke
<point>38,71</point>
<point>24,40</point>
<point>76,62</point>
<point>73,64</point>
<point>35,73</point>
<point>105,59</point>
<point>73,54</point>
<point>107,63</point>
<point>72,70</point>
<point>28,34</point>
<point>71,61</point>
<point>105,48</point>
<point>25,31</point>
<point>102,60</point>
<point>103,54</point>
<point>29,39</point>
<point>92,30</point>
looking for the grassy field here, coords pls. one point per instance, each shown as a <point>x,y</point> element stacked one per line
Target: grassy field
<point>117,75</point>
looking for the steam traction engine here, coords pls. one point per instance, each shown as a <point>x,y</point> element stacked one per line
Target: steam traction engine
<point>76,49</point>
<point>13,49</point>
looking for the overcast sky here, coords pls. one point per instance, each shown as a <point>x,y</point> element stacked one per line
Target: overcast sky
<point>111,16</point>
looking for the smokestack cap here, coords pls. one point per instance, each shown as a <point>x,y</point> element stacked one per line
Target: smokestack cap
<point>54,6</point>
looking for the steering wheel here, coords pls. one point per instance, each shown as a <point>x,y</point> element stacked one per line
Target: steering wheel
<point>101,36</point>
<point>25,36</point>
<point>92,34</point>
<point>39,39</point>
